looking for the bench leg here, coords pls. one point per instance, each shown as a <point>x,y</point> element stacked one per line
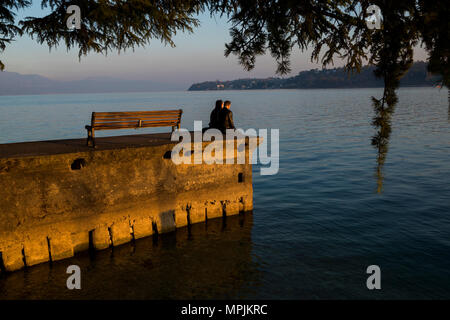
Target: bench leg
<point>177,126</point>
<point>88,137</point>
<point>90,141</point>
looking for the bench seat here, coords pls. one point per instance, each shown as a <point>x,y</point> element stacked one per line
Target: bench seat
<point>131,120</point>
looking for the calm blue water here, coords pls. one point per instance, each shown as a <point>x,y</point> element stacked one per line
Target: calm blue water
<point>316,226</point>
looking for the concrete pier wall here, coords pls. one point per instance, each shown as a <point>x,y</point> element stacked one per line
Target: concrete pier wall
<point>60,197</point>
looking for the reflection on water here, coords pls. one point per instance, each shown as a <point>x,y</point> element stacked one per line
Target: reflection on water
<point>206,260</point>
<point>384,109</point>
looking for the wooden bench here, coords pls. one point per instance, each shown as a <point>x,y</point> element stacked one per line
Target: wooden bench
<point>131,120</point>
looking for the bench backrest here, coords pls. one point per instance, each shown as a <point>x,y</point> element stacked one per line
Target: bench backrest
<point>135,119</point>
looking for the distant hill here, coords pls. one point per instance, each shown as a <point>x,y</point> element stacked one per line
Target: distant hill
<point>12,83</point>
<point>417,76</point>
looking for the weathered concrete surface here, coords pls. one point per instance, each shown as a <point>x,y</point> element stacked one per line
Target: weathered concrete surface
<point>61,197</point>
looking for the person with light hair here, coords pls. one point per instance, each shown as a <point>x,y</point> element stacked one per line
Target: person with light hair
<point>226,117</point>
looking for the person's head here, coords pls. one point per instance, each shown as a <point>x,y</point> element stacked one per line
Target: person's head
<point>227,104</point>
<point>219,104</point>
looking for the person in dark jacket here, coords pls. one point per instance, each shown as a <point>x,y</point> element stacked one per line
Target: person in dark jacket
<point>214,117</point>
<point>226,117</point>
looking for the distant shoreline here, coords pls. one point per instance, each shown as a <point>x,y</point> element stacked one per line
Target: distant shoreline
<point>337,78</point>
<point>316,88</point>
<point>171,91</point>
<point>99,92</point>
<point>13,83</point>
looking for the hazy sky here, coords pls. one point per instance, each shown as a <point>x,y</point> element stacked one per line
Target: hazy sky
<point>196,57</point>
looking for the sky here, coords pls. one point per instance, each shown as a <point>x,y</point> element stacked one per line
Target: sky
<point>197,57</point>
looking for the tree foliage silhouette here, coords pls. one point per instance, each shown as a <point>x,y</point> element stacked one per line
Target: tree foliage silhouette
<point>331,29</point>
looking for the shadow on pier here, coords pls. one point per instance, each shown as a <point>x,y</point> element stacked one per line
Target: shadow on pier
<point>202,261</point>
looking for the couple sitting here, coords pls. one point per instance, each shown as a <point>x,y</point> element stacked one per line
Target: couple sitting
<point>222,117</point>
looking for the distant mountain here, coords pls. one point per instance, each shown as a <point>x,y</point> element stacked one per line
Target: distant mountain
<point>12,83</point>
<point>417,76</point>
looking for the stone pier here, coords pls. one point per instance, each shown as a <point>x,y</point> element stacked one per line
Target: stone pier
<point>60,197</point>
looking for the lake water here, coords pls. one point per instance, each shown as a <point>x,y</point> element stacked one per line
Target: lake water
<point>316,225</point>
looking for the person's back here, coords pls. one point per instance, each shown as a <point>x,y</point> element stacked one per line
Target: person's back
<point>215,114</point>
<point>226,118</point>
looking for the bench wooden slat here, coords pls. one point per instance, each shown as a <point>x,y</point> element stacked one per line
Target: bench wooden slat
<point>124,114</point>
<point>131,123</point>
<point>132,120</point>
<point>136,125</point>
<point>139,111</point>
<point>128,127</point>
<point>135,119</point>
<point>136,115</point>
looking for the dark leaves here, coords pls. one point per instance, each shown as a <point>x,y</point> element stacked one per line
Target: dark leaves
<point>8,29</point>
